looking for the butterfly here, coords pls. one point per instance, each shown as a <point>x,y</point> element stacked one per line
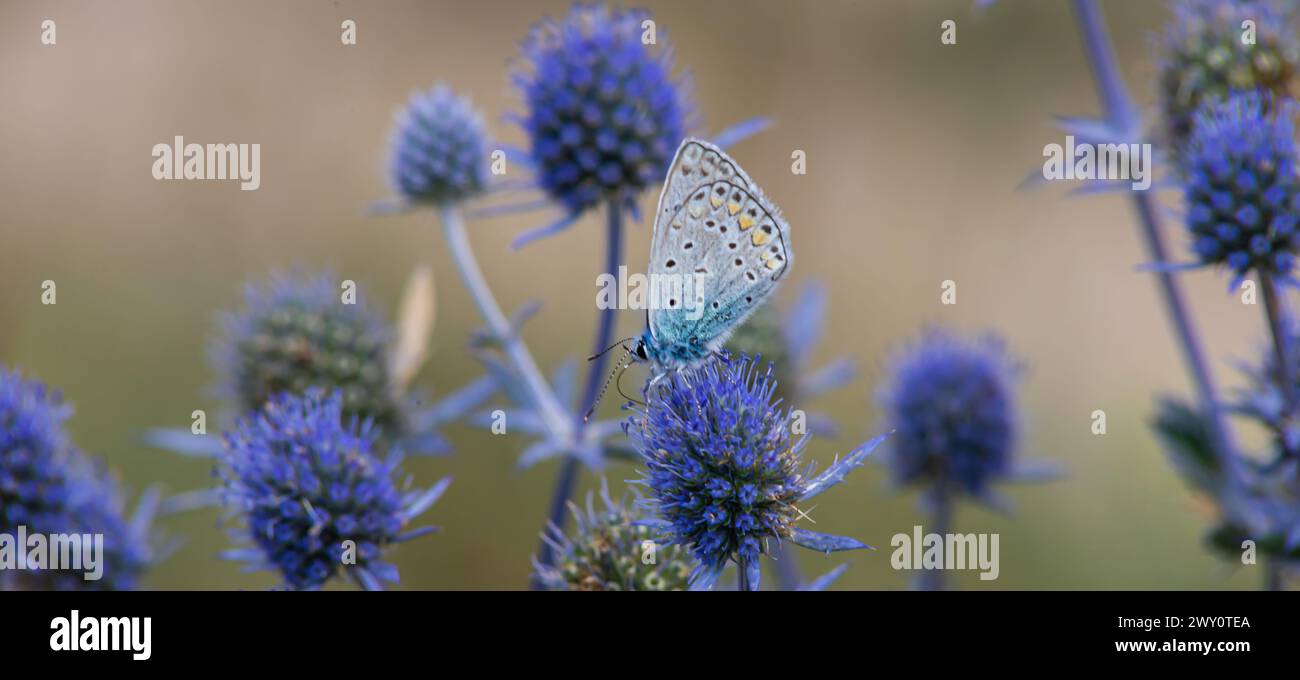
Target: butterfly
<point>721,244</point>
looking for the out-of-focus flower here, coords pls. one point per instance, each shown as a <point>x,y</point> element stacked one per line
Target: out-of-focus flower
<point>50,487</point>
<point>1242,192</point>
<point>611,549</point>
<point>1208,53</point>
<point>951,404</point>
<point>438,152</point>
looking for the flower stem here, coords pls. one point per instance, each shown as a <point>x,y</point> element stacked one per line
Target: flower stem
<point>1272,574</point>
<point>557,419</point>
<point>1275,311</point>
<point>940,522</point>
<point>568,475</point>
<point>1122,115</point>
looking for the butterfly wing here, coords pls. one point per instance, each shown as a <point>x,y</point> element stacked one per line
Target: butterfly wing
<point>713,227</point>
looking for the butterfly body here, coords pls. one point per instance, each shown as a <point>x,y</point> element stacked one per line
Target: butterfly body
<point>722,245</point>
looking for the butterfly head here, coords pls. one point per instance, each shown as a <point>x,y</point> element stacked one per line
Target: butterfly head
<point>642,350</point>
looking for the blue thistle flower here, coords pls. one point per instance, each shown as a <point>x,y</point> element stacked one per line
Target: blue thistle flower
<point>1242,192</point>
<point>35,454</point>
<point>724,471</point>
<point>313,495</point>
<point>605,551</point>
<point>295,333</point>
<point>50,487</point>
<point>439,149</point>
<point>129,544</point>
<point>951,405</point>
<point>1203,59</point>
<point>604,113</point>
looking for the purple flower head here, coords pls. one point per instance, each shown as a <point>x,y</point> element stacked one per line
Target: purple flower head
<point>724,469</point>
<point>313,497</point>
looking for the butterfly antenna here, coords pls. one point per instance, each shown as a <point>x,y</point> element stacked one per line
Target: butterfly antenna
<point>618,385</point>
<point>602,352</point>
<point>618,368</point>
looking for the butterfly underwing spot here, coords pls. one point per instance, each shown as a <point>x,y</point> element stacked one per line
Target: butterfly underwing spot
<point>688,245</point>
<point>733,206</point>
<point>670,263</point>
<point>696,207</point>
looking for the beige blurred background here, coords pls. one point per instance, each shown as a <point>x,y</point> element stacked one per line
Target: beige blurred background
<point>914,149</point>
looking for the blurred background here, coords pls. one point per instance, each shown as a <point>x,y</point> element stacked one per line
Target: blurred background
<point>914,152</point>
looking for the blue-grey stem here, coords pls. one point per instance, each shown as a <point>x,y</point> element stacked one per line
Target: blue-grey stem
<point>742,575</point>
<point>1276,313</point>
<point>558,421</point>
<point>1122,115</point>
<point>568,476</point>
<point>940,524</point>
<point>1273,574</point>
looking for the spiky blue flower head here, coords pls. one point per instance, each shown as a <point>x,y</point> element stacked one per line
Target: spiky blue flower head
<point>314,497</point>
<point>438,149</point>
<point>1242,193</point>
<point>295,333</point>
<point>951,402</point>
<point>604,113</point>
<point>1206,55</point>
<point>35,455</point>
<point>50,487</point>
<point>723,467</point>
<point>129,545</point>
<point>607,551</point>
